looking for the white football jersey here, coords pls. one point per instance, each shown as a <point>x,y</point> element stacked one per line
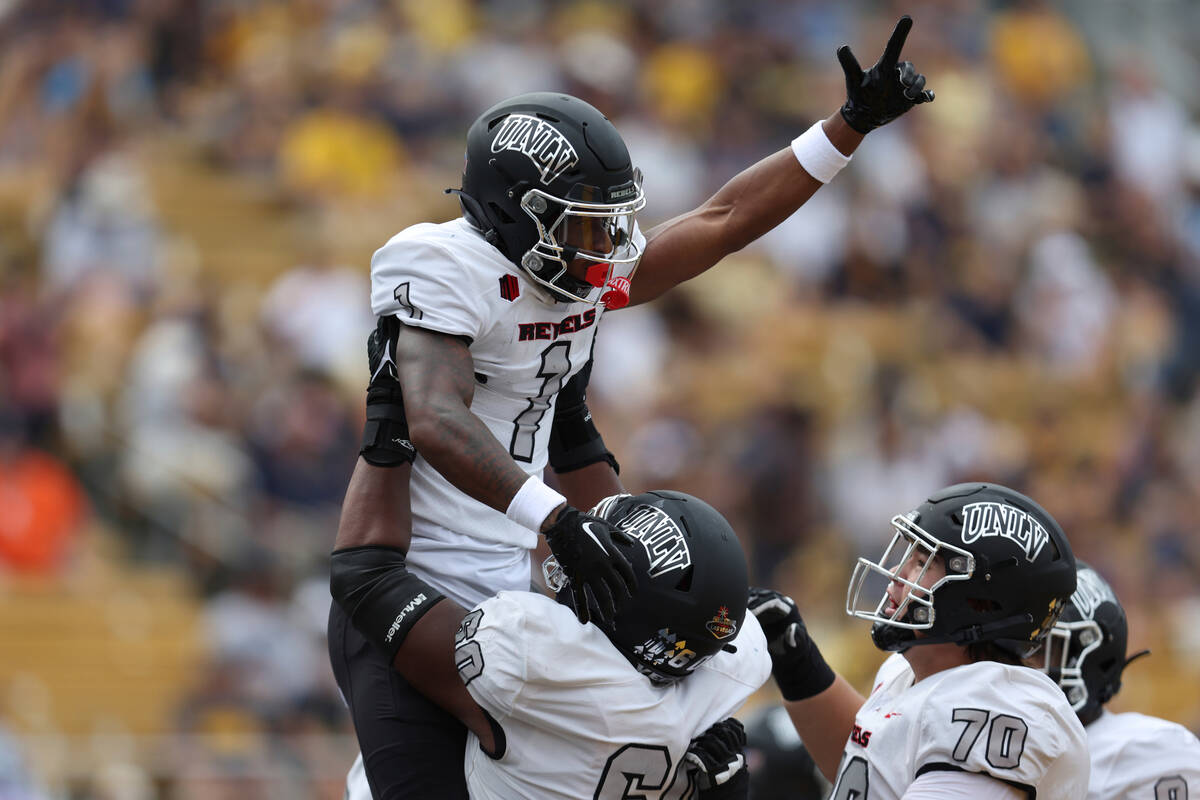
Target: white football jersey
<point>1011,723</point>
<point>579,720</point>
<point>1147,758</point>
<point>447,278</point>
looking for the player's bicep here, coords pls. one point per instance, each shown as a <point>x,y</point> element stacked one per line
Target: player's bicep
<point>436,371</point>
<point>676,250</point>
<point>429,661</point>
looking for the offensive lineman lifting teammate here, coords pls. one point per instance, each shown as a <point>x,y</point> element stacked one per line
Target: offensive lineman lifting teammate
<point>637,706</point>
<point>498,311</point>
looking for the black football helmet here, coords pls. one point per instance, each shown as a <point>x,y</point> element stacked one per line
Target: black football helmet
<point>547,180</point>
<point>1085,654</point>
<point>1008,572</point>
<point>692,584</point>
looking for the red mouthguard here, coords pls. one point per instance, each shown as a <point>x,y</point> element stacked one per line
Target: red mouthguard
<point>596,274</point>
<point>617,295</point>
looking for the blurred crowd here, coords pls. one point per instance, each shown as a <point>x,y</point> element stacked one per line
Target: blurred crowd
<point>1004,285</point>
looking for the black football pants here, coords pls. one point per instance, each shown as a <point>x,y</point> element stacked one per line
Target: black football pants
<point>412,750</point>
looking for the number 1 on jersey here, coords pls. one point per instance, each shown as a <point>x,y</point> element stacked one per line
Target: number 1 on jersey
<point>556,363</point>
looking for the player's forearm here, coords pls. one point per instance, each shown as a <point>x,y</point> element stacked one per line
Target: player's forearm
<point>589,485</point>
<point>376,508</point>
<point>760,197</point>
<point>752,203</point>
<point>461,448</point>
<point>438,376</point>
<point>824,723</point>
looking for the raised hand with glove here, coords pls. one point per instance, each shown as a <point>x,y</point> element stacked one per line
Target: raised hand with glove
<point>877,96</point>
<point>796,662</point>
<point>874,98</point>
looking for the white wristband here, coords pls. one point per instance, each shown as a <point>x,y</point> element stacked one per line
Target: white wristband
<point>817,154</point>
<point>532,503</point>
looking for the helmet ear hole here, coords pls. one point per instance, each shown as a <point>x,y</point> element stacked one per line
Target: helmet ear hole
<point>500,214</point>
<point>983,604</point>
<point>685,583</point>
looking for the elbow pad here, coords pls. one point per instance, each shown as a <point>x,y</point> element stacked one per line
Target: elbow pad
<point>381,597</point>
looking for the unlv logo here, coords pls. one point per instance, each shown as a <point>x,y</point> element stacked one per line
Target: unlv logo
<point>1000,519</point>
<point>1090,592</point>
<point>548,149</point>
<point>658,533</point>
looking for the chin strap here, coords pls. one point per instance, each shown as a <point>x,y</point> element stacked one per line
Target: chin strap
<point>981,633</point>
<point>971,634</point>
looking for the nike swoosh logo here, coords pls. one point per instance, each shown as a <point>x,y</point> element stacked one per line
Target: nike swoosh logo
<point>387,362</point>
<point>587,528</point>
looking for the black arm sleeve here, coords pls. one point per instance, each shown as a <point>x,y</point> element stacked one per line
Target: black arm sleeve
<point>574,441</point>
<point>381,597</point>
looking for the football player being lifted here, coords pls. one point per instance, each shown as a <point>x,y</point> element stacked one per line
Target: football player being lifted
<point>634,704</point>
<point>970,584</point>
<point>497,311</point>
<point>1133,755</point>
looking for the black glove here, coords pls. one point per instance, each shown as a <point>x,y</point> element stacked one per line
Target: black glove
<point>583,546</point>
<point>796,662</point>
<point>385,441</point>
<point>891,87</point>
<point>718,762</point>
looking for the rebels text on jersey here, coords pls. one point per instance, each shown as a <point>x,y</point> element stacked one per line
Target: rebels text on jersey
<point>1136,756</point>
<point>447,278</point>
<point>1011,723</point>
<point>579,720</point>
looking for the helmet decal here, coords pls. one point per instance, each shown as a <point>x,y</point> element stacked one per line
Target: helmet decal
<point>665,648</point>
<point>550,151</point>
<point>721,626</point>
<point>1091,592</point>
<point>665,544</point>
<point>1054,611</point>
<point>1001,519</point>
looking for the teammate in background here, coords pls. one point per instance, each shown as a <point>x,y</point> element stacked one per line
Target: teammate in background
<point>780,765</point>
<point>976,576</point>
<point>562,710</point>
<point>499,311</point>
<point>1133,756</point>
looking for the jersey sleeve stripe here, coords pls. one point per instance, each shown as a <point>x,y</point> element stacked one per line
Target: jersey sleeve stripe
<point>1031,791</point>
